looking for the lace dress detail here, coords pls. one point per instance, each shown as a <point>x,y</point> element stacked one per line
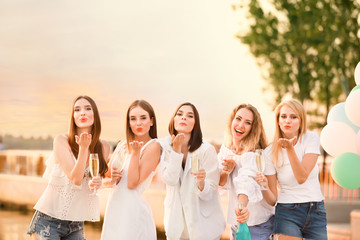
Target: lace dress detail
<point>66,201</point>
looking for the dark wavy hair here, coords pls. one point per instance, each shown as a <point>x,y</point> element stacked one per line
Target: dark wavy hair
<point>196,134</point>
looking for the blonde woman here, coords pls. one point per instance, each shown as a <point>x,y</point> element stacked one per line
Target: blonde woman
<point>244,133</point>
<point>292,162</point>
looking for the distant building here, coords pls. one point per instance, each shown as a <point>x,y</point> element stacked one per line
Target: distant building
<point>2,145</point>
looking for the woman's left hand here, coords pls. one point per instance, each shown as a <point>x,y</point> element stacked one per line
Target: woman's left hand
<point>95,183</point>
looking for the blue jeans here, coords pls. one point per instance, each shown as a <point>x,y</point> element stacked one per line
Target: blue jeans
<point>262,231</point>
<point>305,220</point>
<point>46,227</point>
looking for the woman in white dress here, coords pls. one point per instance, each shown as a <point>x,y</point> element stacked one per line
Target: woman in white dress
<point>128,215</point>
<point>244,133</point>
<point>192,205</point>
<point>67,201</point>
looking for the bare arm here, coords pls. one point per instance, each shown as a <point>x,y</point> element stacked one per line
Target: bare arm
<point>301,169</point>
<point>73,169</point>
<point>270,194</point>
<point>140,170</point>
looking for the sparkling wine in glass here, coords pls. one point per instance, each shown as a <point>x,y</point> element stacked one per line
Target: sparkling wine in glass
<point>229,157</point>
<point>260,162</point>
<point>94,166</point>
<point>118,161</point>
<point>195,163</point>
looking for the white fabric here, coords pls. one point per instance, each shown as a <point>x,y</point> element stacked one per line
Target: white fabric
<point>241,180</point>
<point>127,214</point>
<point>185,204</point>
<point>66,201</point>
<point>290,190</point>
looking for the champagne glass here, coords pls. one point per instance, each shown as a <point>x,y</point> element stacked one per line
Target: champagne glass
<point>94,166</point>
<point>229,157</point>
<point>195,163</point>
<point>118,161</point>
<point>260,163</point>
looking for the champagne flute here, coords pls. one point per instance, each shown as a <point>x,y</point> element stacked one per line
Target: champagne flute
<point>229,157</point>
<point>260,163</point>
<point>195,163</point>
<point>118,161</point>
<point>94,167</point>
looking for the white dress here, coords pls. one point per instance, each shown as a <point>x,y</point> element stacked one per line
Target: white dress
<point>127,215</point>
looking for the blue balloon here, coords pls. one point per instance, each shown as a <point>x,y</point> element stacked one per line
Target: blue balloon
<point>337,114</point>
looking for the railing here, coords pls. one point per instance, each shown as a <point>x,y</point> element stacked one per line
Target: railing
<point>32,162</point>
<point>330,189</point>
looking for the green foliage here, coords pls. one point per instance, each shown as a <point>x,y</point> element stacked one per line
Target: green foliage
<point>307,49</point>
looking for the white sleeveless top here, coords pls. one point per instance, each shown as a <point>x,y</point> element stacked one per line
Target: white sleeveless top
<point>66,201</point>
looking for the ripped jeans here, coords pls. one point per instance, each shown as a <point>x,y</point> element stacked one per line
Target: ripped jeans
<point>46,227</point>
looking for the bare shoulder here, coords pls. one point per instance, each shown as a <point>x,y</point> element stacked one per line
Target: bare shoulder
<point>60,141</point>
<point>153,147</point>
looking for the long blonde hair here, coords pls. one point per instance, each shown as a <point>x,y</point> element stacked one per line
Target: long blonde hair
<point>297,107</point>
<point>256,137</point>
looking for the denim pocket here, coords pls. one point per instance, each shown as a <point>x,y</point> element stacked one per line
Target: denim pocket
<point>287,206</point>
<point>320,210</point>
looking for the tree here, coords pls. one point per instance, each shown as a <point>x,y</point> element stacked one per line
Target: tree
<point>306,49</point>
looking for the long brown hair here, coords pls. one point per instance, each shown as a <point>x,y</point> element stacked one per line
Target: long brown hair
<point>256,137</point>
<point>130,136</point>
<point>95,145</point>
<point>196,134</point>
<point>297,107</point>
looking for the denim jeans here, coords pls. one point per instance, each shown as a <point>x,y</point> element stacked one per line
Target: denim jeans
<point>305,220</point>
<point>262,231</point>
<point>46,227</point>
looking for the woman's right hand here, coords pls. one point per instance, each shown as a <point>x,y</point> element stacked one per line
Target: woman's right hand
<point>177,141</point>
<point>262,180</point>
<point>95,183</point>
<point>242,215</point>
<point>83,140</point>
<point>116,175</point>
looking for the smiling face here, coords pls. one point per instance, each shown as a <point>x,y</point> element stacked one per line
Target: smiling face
<point>184,120</point>
<point>83,114</point>
<point>140,122</point>
<point>241,124</point>
<point>289,122</point>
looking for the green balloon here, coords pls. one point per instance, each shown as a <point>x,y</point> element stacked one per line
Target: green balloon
<point>355,88</point>
<point>345,170</point>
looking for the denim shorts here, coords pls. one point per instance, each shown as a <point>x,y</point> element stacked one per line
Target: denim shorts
<point>305,220</point>
<point>262,231</point>
<point>46,227</point>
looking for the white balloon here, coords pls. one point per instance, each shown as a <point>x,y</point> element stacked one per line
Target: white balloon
<point>337,138</point>
<point>352,107</point>
<point>357,74</point>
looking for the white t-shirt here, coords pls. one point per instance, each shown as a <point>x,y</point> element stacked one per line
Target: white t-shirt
<point>290,190</point>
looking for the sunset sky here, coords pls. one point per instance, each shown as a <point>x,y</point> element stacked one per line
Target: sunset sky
<point>165,52</point>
